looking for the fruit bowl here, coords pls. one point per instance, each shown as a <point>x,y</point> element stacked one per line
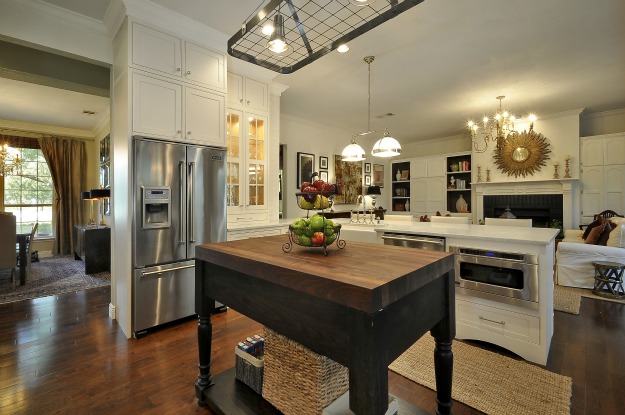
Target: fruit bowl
<point>316,232</point>
<point>314,200</point>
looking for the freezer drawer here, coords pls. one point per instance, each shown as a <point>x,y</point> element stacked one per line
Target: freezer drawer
<point>162,294</point>
<point>428,243</point>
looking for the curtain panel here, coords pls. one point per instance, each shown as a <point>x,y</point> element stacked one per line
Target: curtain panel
<point>19,142</point>
<point>66,159</point>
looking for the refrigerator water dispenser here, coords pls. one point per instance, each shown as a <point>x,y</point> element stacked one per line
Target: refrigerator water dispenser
<point>156,207</point>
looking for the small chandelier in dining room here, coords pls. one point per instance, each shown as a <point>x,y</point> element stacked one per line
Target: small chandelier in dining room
<point>387,146</point>
<point>10,160</point>
<point>497,129</point>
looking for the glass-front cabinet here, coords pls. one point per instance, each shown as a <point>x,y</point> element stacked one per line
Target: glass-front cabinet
<point>246,161</point>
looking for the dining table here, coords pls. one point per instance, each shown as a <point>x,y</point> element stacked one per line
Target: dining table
<point>22,241</point>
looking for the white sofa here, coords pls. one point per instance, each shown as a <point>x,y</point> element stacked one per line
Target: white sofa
<point>574,258</point>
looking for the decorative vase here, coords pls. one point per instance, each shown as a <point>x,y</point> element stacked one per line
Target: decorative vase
<point>461,205</point>
<point>407,205</point>
<point>398,175</point>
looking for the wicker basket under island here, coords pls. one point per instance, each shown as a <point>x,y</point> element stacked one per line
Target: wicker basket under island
<point>298,381</point>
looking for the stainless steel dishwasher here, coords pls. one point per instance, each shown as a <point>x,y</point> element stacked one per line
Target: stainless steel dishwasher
<point>428,243</point>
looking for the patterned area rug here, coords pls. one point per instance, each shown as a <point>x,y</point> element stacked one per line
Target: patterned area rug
<point>566,301</point>
<point>51,276</point>
<point>490,382</point>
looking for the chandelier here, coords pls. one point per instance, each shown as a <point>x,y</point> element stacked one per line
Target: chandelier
<point>10,161</point>
<point>497,130</point>
<point>386,146</point>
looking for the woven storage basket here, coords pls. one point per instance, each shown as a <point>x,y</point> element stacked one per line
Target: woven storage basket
<point>298,381</point>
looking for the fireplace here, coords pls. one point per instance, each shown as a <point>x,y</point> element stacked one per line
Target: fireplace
<point>541,208</point>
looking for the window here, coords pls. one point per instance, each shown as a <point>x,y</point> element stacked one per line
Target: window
<point>29,195</point>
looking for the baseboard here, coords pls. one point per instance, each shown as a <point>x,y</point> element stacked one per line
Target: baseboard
<point>112,311</point>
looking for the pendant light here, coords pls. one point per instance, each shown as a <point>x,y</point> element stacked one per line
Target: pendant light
<point>277,41</point>
<point>387,146</point>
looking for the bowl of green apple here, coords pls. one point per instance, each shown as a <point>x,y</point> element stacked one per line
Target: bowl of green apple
<point>316,231</point>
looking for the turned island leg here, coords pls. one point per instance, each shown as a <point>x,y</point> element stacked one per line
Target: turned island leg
<point>203,307</point>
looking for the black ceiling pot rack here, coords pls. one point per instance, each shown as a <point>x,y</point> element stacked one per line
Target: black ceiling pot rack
<point>312,30</point>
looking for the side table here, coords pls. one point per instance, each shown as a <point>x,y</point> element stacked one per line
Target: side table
<point>93,246</point>
<point>609,279</point>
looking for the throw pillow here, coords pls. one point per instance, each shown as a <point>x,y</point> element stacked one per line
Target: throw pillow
<point>603,238</point>
<point>595,233</point>
<point>617,235</point>
<point>599,222</point>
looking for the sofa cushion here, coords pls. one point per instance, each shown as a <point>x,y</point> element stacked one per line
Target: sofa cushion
<point>617,235</point>
<point>598,222</point>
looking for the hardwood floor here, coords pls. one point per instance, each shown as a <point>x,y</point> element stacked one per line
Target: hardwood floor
<point>63,355</point>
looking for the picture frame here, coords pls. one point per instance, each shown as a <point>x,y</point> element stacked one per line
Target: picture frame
<point>378,175</point>
<point>405,174</point>
<point>367,180</point>
<point>305,167</point>
<point>323,175</point>
<point>367,168</point>
<point>323,162</point>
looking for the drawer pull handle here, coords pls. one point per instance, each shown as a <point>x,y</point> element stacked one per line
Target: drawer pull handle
<point>493,321</point>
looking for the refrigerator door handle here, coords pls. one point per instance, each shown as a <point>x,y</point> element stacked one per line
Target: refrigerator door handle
<point>181,166</point>
<point>192,202</point>
<point>162,271</point>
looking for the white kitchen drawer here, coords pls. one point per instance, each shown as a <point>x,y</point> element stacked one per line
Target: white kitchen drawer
<point>245,217</point>
<point>498,321</point>
<point>236,235</point>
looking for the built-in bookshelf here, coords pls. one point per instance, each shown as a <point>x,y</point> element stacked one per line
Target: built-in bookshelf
<point>458,181</point>
<point>400,186</point>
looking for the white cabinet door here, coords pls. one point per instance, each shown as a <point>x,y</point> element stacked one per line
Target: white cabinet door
<point>614,188</point>
<point>204,66</point>
<point>205,117</point>
<point>614,150</point>
<point>592,190</point>
<point>436,166</point>
<point>592,152</point>
<point>256,95</point>
<point>437,195</point>
<point>418,168</point>
<point>418,195</point>
<point>156,107</point>
<point>156,50</point>
<point>235,88</point>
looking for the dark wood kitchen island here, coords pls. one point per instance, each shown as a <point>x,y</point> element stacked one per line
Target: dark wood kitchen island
<point>361,306</point>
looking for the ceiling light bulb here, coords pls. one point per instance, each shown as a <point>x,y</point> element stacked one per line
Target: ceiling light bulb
<point>485,119</point>
<point>470,124</point>
<point>277,42</point>
<point>361,3</point>
<point>267,29</point>
<point>532,117</point>
<point>342,48</point>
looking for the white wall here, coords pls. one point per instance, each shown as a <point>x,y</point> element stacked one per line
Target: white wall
<point>443,145</point>
<point>601,123</point>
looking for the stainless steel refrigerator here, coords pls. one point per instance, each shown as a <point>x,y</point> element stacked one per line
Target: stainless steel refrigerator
<point>179,203</point>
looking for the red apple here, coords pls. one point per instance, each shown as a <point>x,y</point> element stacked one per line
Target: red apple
<point>328,187</point>
<point>318,238</point>
<point>310,189</point>
<point>304,185</point>
<point>318,184</point>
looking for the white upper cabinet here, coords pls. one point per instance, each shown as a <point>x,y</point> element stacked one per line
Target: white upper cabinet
<point>153,50</point>
<point>205,117</point>
<point>247,93</point>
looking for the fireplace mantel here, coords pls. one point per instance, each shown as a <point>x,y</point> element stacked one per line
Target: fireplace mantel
<point>554,186</point>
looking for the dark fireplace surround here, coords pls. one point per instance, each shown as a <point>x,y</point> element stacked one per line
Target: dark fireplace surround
<point>541,208</point>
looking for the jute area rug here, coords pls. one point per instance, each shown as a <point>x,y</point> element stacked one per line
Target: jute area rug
<point>489,382</point>
<point>584,292</point>
<point>50,276</point>
<point>567,301</point>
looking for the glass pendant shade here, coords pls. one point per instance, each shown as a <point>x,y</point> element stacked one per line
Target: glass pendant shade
<point>277,41</point>
<point>386,146</point>
<point>353,152</point>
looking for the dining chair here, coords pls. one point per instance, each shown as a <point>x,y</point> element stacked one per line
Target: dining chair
<point>29,247</point>
<point>523,223</point>
<point>8,232</point>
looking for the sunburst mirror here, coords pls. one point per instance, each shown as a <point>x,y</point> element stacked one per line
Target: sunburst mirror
<point>522,154</point>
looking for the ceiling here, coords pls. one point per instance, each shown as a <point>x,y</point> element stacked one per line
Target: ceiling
<point>442,62</point>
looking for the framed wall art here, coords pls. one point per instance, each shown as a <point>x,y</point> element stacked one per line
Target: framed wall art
<point>323,175</point>
<point>323,163</point>
<point>348,176</point>
<point>367,180</point>
<point>378,175</point>
<point>367,168</point>
<point>305,167</point>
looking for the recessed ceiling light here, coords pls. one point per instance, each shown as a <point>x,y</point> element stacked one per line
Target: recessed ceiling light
<point>342,48</point>
<point>87,112</point>
<point>388,114</point>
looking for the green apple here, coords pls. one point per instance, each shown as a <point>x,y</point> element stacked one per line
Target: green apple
<point>330,238</point>
<point>317,222</point>
<point>329,230</point>
<point>308,231</point>
<point>297,227</point>
<point>304,240</point>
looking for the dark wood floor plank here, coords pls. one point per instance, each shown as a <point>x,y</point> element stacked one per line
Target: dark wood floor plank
<point>63,354</point>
